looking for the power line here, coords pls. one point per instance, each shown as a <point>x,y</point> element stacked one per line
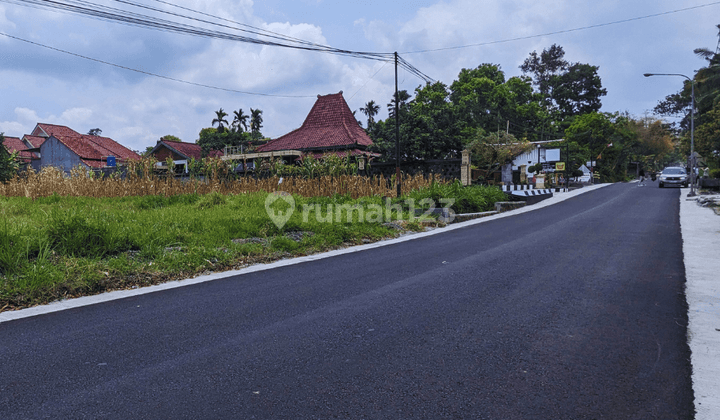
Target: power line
<point>151,74</point>
<point>136,19</point>
<point>107,13</point>
<point>565,31</point>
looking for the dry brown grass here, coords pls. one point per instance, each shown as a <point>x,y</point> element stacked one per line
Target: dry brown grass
<point>81,183</point>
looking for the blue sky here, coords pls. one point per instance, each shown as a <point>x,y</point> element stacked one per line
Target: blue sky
<point>42,85</point>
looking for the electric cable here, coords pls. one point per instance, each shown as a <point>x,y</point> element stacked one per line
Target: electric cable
<point>153,74</point>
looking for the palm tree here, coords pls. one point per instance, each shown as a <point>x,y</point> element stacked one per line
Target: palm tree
<point>370,109</point>
<point>240,121</point>
<point>220,119</point>
<point>403,97</point>
<point>708,78</point>
<point>255,121</point>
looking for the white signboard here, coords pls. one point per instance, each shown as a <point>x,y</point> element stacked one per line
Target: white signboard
<point>552,155</point>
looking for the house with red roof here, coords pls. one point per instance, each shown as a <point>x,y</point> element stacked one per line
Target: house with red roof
<point>180,152</point>
<point>330,127</point>
<point>15,144</point>
<point>65,148</point>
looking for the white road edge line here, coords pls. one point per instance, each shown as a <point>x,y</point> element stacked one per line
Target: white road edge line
<point>66,304</point>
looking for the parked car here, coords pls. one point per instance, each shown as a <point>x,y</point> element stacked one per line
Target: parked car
<point>673,176</point>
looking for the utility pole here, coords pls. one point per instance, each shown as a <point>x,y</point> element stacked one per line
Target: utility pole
<point>397,131</point>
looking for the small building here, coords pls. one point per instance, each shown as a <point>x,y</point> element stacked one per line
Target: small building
<point>180,152</point>
<point>65,148</point>
<point>25,157</point>
<point>538,154</point>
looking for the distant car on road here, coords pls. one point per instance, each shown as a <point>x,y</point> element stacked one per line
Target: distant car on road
<point>673,175</point>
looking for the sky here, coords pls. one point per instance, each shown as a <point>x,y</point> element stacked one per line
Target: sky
<point>624,38</point>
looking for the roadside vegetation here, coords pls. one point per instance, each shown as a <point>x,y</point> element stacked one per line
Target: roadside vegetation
<point>67,237</point>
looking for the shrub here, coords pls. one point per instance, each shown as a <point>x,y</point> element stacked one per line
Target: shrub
<point>715,173</point>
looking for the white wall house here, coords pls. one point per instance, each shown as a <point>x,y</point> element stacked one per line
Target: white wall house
<point>539,153</point>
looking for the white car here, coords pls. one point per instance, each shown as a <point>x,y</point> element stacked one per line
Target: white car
<point>673,176</point>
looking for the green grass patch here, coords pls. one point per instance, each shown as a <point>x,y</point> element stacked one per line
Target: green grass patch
<point>56,247</point>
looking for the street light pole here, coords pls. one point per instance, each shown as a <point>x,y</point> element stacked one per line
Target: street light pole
<point>692,126</point>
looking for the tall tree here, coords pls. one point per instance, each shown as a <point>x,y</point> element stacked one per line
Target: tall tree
<point>240,120</point>
<point>707,106</point>
<point>95,132</point>
<point>220,120</point>
<point>370,109</point>
<point>256,121</point>
<point>566,89</point>
<point>549,64</point>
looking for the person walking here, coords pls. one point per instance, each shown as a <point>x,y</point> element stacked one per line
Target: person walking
<point>642,178</point>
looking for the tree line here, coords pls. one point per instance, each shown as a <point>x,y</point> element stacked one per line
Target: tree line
<point>553,99</point>
<point>707,109</point>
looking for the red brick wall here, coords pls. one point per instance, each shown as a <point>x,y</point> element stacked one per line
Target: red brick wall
<point>163,153</point>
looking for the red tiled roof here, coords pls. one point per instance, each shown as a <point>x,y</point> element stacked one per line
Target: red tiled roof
<point>330,124</point>
<point>36,141</point>
<point>188,150</point>
<point>95,147</point>
<point>14,144</point>
<point>93,163</point>
<point>47,130</point>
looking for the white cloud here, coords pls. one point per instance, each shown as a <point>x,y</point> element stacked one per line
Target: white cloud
<point>136,110</point>
<point>5,23</point>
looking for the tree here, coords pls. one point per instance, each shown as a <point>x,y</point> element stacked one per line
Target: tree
<point>707,101</point>
<point>256,121</point>
<point>545,67</point>
<point>220,120</point>
<point>578,90</point>
<point>707,137</point>
<point>8,162</point>
<point>567,89</point>
<point>655,142</point>
<point>403,97</point>
<point>95,132</point>
<point>370,109</point>
<point>170,137</point>
<point>484,99</point>
<point>429,129</point>
<point>592,132</point>
<point>240,120</point>
<point>491,151</point>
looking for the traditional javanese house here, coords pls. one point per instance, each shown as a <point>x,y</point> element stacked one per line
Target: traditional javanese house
<point>329,128</point>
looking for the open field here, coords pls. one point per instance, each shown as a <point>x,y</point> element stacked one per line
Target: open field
<point>85,236</point>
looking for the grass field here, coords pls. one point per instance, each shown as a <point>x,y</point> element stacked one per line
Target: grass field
<point>54,246</point>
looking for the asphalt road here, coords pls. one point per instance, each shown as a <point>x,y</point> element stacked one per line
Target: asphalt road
<point>572,311</point>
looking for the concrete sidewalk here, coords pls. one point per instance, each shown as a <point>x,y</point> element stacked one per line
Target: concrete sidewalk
<point>700,228</point>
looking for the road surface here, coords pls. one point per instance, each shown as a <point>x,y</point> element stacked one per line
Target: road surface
<point>572,311</point>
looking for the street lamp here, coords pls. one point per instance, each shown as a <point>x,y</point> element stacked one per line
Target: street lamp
<point>692,126</point>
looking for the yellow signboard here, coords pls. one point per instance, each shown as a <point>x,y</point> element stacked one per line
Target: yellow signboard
<point>559,166</point>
